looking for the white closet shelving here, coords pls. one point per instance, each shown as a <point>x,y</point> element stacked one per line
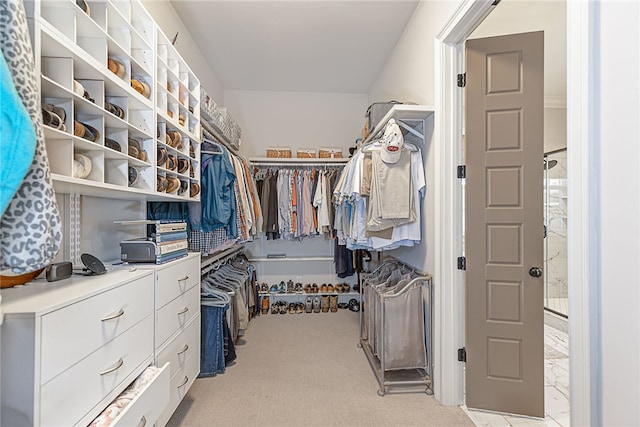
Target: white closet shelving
<point>178,110</point>
<point>410,118</point>
<point>73,49</point>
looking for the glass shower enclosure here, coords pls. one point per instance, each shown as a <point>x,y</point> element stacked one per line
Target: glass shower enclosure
<point>555,220</point>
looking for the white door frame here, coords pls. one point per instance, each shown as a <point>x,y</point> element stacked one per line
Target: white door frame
<point>582,193</point>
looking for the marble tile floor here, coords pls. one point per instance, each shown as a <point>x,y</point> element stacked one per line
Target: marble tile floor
<point>560,305</point>
<point>556,397</point>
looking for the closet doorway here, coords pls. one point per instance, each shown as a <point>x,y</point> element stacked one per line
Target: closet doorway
<point>450,53</point>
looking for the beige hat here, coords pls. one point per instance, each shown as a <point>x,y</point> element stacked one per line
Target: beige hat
<point>392,142</point>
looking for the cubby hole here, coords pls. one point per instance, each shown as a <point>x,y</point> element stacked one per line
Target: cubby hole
<point>145,178</point>
<point>96,47</point>
<point>86,25</point>
<point>118,135</point>
<point>124,60</point>
<point>61,15</point>
<point>117,172</point>
<point>142,22</point>
<point>94,121</point>
<point>59,70</point>
<point>141,120</point>
<point>120,101</point>
<point>67,105</point>
<point>118,10</point>
<point>95,89</point>
<point>60,155</point>
<point>144,58</point>
<point>97,163</point>
<point>98,12</point>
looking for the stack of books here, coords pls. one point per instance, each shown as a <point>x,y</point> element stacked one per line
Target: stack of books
<point>170,239</point>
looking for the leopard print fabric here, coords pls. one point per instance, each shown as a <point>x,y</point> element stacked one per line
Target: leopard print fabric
<point>31,229</point>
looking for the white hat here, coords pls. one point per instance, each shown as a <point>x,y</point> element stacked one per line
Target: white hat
<point>392,142</point>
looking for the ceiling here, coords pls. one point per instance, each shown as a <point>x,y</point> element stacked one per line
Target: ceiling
<point>339,46</point>
<point>296,46</point>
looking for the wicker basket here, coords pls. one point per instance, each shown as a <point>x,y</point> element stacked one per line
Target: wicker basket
<point>306,154</point>
<point>330,153</point>
<point>279,152</point>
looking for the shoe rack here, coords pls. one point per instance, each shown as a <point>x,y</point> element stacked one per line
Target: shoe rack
<point>98,64</point>
<point>178,113</point>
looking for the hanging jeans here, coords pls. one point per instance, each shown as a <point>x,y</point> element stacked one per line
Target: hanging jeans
<point>212,340</point>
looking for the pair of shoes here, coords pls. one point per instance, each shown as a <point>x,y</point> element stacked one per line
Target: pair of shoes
<point>290,287</point>
<point>343,305</point>
<point>54,116</point>
<point>308,306</point>
<point>273,289</point>
<point>333,303</point>
<point>330,288</point>
<point>85,131</point>
<point>265,305</point>
<point>307,288</point>
<point>296,307</point>
<point>114,109</point>
<point>325,303</point>
<point>297,288</point>
<point>342,288</point>
<point>279,307</point>
<point>323,288</point>
<point>314,289</point>
<point>316,305</point>
<point>264,288</point>
<point>354,305</point>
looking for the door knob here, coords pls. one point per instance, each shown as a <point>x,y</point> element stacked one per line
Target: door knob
<point>535,272</point>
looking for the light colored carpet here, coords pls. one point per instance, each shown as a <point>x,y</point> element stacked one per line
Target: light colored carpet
<point>305,369</point>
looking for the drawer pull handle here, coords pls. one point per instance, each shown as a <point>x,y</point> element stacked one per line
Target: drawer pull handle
<point>143,420</point>
<point>183,311</point>
<point>184,278</point>
<point>113,316</point>
<point>186,347</point>
<point>115,367</point>
<point>186,380</point>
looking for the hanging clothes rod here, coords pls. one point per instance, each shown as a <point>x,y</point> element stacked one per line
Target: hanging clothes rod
<point>221,256</point>
<point>279,162</point>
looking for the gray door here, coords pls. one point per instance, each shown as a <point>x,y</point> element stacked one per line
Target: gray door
<point>504,225</point>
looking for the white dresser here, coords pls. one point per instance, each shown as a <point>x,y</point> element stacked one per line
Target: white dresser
<point>70,347</point>
<point>177,325</point>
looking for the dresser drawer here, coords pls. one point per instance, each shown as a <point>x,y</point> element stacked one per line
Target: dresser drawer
<point>179,349</point>
<point>180,384</point>
<point>176,279</point>
<point>71,333</point>
<point>72,394</point>
<point>148,404</point>
<point>177,314</point>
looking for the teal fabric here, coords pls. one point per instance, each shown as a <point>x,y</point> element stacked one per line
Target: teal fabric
<point>18,142</point>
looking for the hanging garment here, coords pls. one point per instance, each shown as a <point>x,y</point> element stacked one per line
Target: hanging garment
<point>31,228</point>
<point>18,144</point>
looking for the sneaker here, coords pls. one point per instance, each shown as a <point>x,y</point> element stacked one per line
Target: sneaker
<point>282,288</point>
<point>330,288</point>
<point>290,287</point>
<point>307,289</point>
<point>265,305</point>
<point>323,288</point>
<point>273,289</point>
<point>316,305</point>
<point>297,288</point>
<point>345,288</point>
<point>264,288</point>
<point>308,305</point>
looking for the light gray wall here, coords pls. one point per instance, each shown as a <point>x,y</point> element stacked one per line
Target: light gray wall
<point>296,119</point>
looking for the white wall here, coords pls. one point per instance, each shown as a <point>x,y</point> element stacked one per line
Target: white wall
<point>619,205</point>
<point>408,75</point>
<point>555,129</point>
<point>168,20</point>
<point>296,119</point>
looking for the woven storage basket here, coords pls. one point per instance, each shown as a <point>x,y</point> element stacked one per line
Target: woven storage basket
<point>306,154</point>
<point>279,152</point>
<point>330,153</point>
